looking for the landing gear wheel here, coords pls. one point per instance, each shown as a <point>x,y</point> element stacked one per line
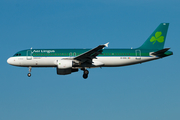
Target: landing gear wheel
<point>29,74</point>
<point>85,76</point>
<point>86,72</point>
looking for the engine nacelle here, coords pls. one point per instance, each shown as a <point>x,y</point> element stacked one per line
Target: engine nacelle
<point>64,67</point>
<point>64,64</point>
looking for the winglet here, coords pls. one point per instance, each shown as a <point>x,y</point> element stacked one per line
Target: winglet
<point>106,44</point>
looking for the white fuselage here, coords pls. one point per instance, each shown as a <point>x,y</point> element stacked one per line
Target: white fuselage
<point>24,61</point>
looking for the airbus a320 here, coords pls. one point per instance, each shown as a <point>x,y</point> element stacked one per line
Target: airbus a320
<point>68,61</point>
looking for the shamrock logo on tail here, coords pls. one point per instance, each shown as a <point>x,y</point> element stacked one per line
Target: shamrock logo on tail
<point>157,37</point>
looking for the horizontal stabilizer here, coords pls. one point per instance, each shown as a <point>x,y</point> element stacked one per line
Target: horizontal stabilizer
<point>160,52</point>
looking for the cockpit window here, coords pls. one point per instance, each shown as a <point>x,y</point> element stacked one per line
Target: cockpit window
<point>18,54</point>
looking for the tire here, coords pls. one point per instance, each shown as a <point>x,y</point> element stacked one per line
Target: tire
<point>29,74</point>
<point>85,76</point>
<point>86,72</point>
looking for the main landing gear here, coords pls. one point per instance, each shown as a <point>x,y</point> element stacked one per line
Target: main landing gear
<point>85,75</point>
<point>29,74</point>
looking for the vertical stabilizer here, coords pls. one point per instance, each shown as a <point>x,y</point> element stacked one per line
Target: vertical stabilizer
<point>157,39</point>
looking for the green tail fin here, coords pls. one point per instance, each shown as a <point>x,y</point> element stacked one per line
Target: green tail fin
<point>157,39</point>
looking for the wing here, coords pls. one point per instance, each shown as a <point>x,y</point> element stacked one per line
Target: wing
<point>89,55</point>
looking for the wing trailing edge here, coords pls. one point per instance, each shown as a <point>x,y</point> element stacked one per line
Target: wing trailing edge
<point>89,55</point>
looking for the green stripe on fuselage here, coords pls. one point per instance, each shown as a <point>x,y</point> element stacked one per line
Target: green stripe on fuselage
<point>76,52</point>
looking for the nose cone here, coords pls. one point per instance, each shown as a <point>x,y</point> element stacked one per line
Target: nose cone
<point>10,61</point>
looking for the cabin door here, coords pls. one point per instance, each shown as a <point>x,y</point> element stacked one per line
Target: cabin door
<point>29,55</point>
<point>138,54</point>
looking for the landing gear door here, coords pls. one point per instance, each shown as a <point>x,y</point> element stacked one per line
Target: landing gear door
<point>138,54</point>
<point>29,55</point>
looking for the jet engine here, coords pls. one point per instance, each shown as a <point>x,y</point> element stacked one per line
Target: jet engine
<point>64,67</point>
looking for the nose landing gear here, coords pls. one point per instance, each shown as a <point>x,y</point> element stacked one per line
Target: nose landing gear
<point>85,75</point>
<point>29,74</point>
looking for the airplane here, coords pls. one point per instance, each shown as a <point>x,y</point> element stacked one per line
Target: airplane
<point>68,61</point>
